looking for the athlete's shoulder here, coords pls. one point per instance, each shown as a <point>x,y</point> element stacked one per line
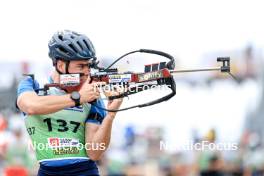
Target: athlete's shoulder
<point>27,84</point>
<point>97,114</point>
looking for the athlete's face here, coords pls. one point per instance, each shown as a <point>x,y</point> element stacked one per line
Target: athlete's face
<point>81,66</point>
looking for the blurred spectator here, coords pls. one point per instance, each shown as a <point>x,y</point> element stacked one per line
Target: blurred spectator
<point>153,136</point>
<point>253,157</point>
<point>129,136</point>
<point>209,161</point>
<point>18,159</point>
<point>4,138</point>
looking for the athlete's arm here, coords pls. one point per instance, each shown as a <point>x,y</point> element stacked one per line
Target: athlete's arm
<point>32,104</point>
<point>100,135</point>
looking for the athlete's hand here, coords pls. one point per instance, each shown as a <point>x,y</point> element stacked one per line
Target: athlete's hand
<point>114,104</point>
<point>89,91</point>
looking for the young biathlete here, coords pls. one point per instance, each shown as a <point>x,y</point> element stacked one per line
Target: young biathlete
<point>68,133</point>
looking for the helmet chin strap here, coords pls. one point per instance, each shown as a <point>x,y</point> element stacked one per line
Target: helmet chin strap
<point>67,63</point>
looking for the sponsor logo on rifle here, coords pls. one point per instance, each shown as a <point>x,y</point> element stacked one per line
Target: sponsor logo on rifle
<point>119,78</point>
<point>150,76</point>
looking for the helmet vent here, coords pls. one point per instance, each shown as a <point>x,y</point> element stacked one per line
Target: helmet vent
<point>60,37</point>
<point>79,45</point>
<point>72,47</point>
<point>63,50</point>
<point>86,44</point>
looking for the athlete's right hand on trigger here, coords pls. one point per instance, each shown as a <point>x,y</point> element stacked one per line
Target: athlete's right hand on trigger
<point>89,91</point>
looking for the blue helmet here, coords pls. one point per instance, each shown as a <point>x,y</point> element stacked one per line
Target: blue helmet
<point>69,45</point>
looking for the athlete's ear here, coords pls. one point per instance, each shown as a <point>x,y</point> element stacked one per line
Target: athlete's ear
<point>60,66</point>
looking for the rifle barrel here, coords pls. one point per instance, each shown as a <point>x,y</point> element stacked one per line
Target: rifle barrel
<point>196,70</point>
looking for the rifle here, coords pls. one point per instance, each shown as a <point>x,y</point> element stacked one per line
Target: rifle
<point>158,74</point>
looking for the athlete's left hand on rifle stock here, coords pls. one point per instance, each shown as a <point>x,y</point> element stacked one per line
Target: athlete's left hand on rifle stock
<point>116,103</point>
